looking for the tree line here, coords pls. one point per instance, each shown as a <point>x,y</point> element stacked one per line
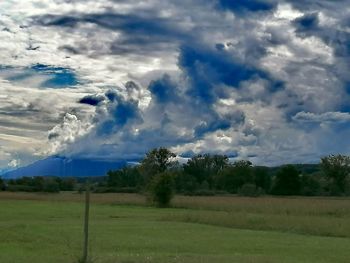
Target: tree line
<point>211,174</point>
<point>39,184</point>
<point>206,174</point>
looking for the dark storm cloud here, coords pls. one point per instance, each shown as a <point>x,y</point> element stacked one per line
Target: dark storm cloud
<point>92,100</point>
<point>164,90</point>
<point>120,113</point>
<point>203,129</point>
<point>307,22</point>
<point>242,6</point>
<point>206,68</point>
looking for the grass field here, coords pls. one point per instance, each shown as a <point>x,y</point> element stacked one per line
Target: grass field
<point>48,228</point>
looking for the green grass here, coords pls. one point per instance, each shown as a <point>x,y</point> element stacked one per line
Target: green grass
<point>204,230</point>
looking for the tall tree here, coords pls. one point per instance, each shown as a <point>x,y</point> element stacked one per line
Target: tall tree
<point>128,176</point>
<point>234,176</point>
<point>204,168</point>
<point>287,181</point>
<point>157,161</point>
<point>337,169</point>
<point>262,178</point>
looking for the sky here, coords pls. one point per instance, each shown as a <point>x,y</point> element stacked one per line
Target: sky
<point>262,80</point>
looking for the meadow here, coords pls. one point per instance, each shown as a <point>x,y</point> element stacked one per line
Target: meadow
<point>125,229</point>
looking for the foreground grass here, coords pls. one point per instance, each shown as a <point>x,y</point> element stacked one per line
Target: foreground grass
<point>314,216</point>
<point>49,229</point>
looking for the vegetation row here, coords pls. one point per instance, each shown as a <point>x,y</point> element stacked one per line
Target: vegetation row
<point>161,176</point>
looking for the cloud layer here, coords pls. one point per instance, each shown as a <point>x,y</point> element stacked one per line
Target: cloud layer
<point>258,79</point>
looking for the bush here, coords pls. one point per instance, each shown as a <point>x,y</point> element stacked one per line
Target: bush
<point>162,189</point>
<point>250,190</point>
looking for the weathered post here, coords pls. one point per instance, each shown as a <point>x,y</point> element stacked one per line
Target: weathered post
<point>86,222</point>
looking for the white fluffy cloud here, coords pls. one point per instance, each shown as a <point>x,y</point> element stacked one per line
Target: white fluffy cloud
<point>66,133</point>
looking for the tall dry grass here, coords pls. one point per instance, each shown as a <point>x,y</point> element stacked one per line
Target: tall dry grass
<point>315,216</point>
<point>106,198</point>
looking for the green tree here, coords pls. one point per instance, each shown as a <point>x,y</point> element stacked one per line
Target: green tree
<point>156,161</point>
<point>262,178</point>
<point>185,183</point>
<point>244,168</point>
<point>128,176</point>
<point>287,181</point>
<point>310,185</point>
<point>337,169</point>
<point>162,188</point>
<point>204,168</point>
<point>233,177</point>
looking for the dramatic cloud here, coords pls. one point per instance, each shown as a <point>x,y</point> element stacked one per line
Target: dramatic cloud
<point>260,79</point>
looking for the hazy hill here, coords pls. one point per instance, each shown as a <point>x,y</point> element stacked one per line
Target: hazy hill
<point>64,167</point>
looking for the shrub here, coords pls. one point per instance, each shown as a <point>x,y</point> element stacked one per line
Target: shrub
<point>162,189</point>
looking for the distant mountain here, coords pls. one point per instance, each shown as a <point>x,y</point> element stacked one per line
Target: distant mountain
<point>65,167</point>
<point>3,171</point>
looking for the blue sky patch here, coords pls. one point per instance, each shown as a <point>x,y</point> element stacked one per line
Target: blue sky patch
<point>59,77</point>
<point>51,77</point>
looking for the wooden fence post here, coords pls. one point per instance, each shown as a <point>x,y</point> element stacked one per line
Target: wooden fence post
<point>86,223</point>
